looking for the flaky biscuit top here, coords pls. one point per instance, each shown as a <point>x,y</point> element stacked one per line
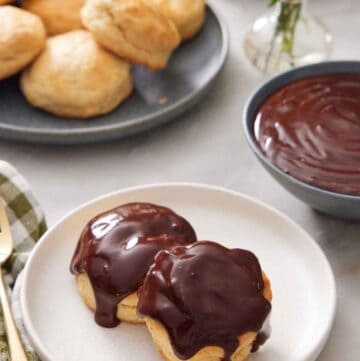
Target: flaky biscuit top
<point>140,24</point>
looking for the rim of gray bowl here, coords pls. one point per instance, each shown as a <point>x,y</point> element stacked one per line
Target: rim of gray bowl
<point>268,87</point>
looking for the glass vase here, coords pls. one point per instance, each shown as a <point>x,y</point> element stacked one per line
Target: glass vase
<point>287,36</point>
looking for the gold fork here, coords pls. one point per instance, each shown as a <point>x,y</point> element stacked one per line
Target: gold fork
<point>16,349</point>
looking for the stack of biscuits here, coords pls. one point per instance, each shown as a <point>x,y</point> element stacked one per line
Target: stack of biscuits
<point>76,55</point>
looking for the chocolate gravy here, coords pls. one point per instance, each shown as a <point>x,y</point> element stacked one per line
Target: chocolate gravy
<point>310,129</point>
<point>205,295</point>
<point>117,248</point>
<point>262,336</point>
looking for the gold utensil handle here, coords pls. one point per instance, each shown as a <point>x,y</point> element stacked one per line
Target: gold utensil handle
<point>17,352</point>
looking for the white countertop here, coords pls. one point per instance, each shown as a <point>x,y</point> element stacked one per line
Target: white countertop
<point>207,145</point>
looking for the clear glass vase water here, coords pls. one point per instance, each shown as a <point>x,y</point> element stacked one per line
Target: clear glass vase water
<point>300,39</point>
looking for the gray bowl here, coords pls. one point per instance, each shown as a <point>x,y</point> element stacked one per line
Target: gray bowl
<point>335,204</point>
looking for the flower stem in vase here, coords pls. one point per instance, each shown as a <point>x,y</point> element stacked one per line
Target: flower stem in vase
<point>285,29</point>
<point>287,37</point>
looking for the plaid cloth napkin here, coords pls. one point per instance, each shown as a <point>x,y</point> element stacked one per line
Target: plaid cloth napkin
<point>27,225</point>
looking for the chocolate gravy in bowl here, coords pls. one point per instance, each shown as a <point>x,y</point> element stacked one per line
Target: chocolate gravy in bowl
<point>310,129</point>
<point>304,127</point>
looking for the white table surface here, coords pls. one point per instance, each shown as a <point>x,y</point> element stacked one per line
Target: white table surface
<point>207,145</point>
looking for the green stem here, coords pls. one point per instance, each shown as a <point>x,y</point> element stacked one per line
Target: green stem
<point>289,15</point>
<point>286,26</point>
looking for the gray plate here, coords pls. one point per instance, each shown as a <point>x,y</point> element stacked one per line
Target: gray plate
<point>159,97</point>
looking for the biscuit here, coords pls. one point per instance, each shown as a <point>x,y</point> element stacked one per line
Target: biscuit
<point>126,310</point>
<point>132,30</point>
<point>59,16</point>
<point>75,77</point>
<point>188,15</point>
<point>205,302</point>
<point>115,251</point>
<point>209,353</point>
<point>22,36</point>
<point>5,2</point>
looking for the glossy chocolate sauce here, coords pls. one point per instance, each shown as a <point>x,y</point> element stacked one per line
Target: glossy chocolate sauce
<point>310,129</point>
<point>262,336</point>
<point>205,295</point>
<point>117,248</point>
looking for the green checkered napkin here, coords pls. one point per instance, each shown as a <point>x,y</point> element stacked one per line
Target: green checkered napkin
<point>27,226</point>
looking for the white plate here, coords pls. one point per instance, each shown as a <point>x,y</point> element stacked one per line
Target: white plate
<point>62,328</point>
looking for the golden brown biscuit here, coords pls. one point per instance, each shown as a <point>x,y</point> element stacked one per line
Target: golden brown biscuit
<point>205,302</point>
<point>210,353</point>
<point>22,36</point>
<point>115,251</point>
<point>75,77</point>
<point>59,16</point>
<point>5,2</point>
<point>188,15</point>
<point>126,310</point>
<point>132,30</point>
